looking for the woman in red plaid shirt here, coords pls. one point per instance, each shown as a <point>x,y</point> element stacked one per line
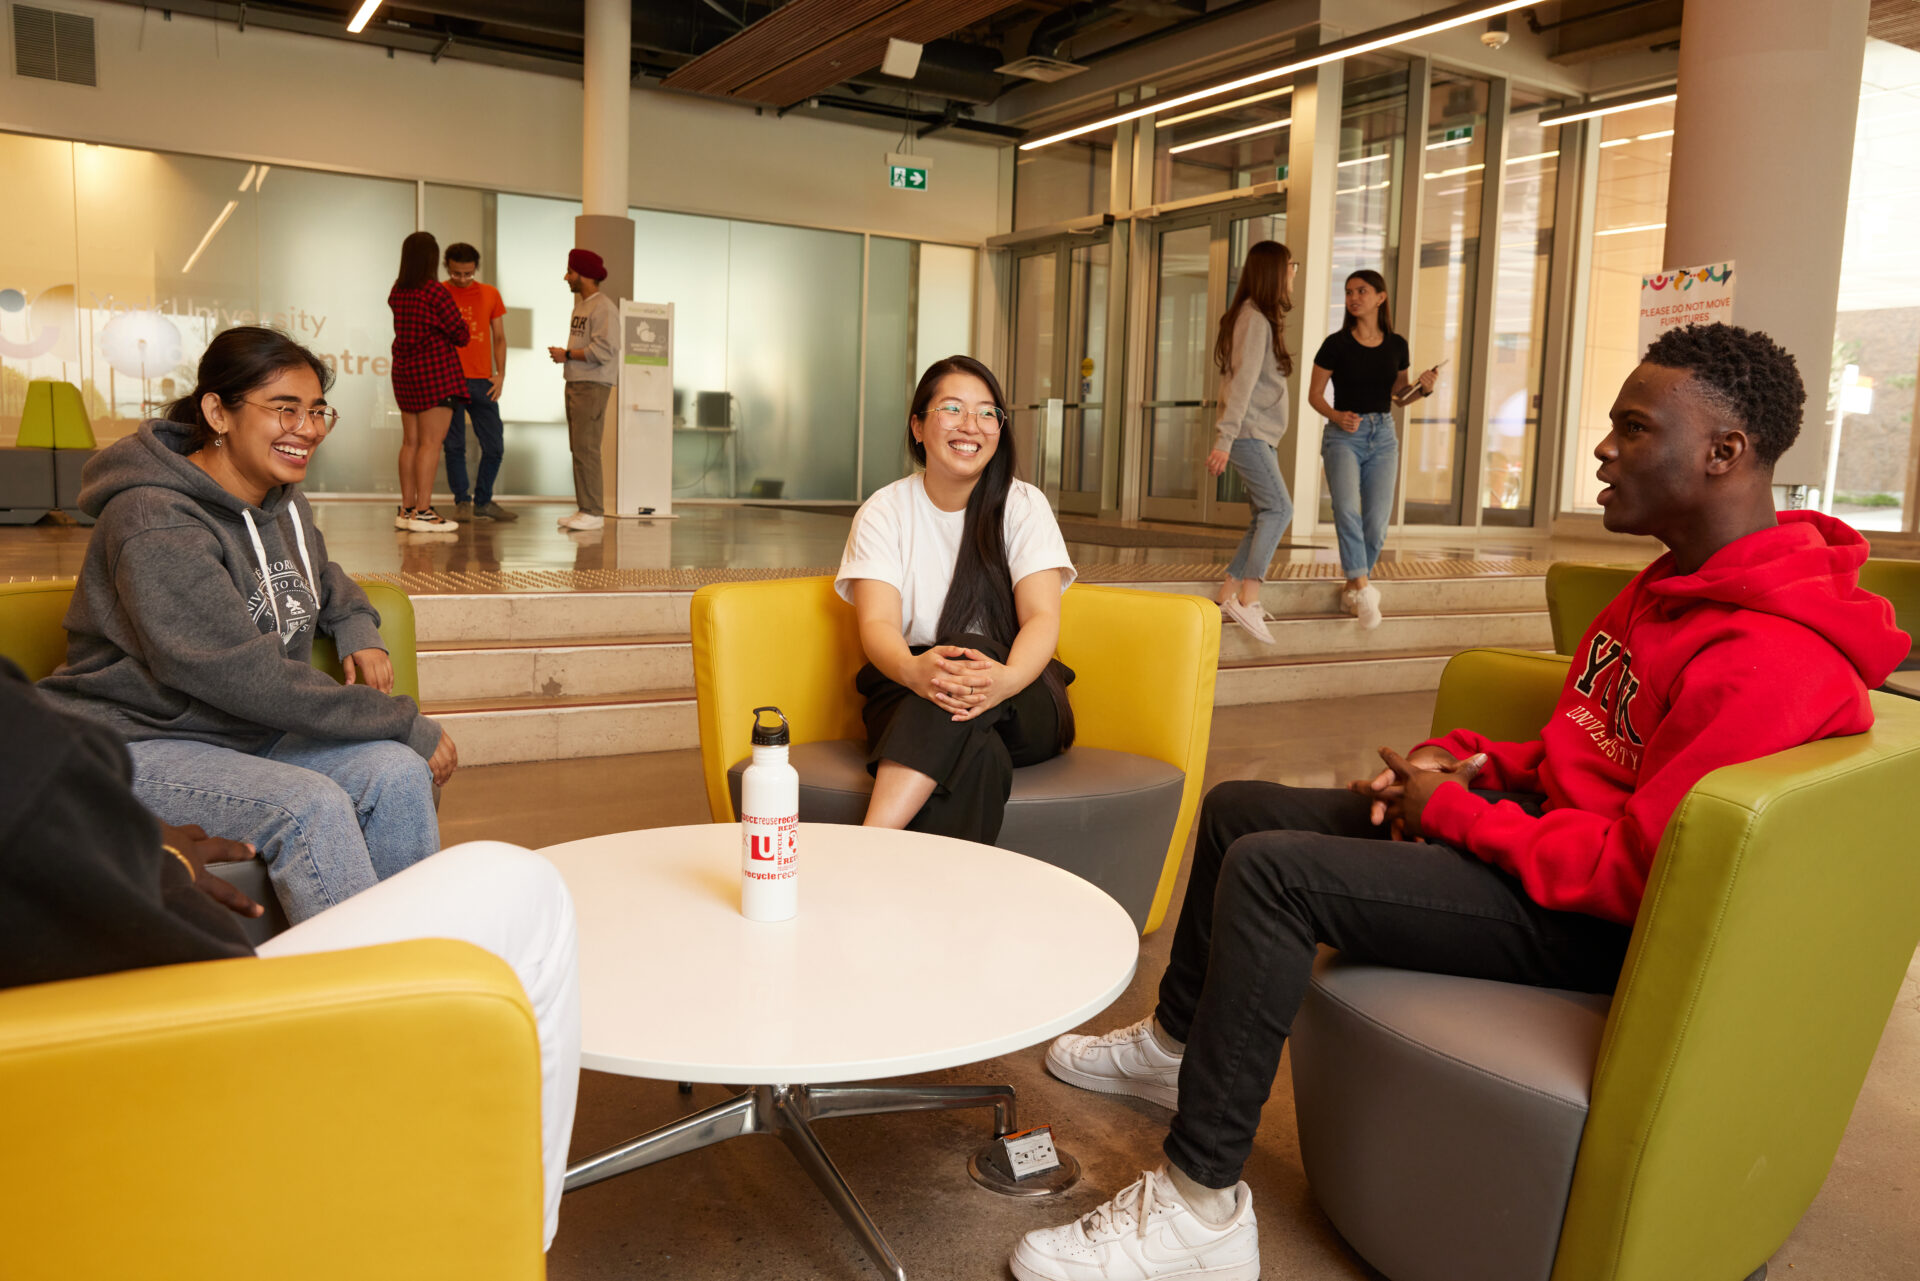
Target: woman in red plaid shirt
<point>426,377</point>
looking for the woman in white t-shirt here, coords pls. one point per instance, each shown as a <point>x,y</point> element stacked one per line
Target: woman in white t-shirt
<point>956,573</point>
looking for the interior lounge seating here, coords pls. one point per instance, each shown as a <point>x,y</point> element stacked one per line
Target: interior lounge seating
<point>41,472</point>
<point>1456,1127</point>
<point>32,636</point>
<point>1115,809</point>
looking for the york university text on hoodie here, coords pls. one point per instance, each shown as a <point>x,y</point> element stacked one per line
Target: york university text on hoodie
<point>195,612</point>
<point>1769,645</point>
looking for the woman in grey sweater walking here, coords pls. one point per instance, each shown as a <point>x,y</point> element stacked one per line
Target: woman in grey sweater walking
<point>1251,354</point>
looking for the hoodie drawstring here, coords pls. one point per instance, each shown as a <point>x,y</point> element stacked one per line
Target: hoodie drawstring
<point>300,541</point>
<point>266,575</point>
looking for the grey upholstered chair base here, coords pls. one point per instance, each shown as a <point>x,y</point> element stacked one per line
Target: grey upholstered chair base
<point>252,880</point>
<point>1104,816</point>
<point>1440,1117</point>
<point>26,485</point>
<point>66,482</point>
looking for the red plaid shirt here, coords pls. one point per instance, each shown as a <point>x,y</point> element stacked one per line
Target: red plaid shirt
<point>426,329</point>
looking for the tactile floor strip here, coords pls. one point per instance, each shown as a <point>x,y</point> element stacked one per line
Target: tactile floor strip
<point>470,582</point>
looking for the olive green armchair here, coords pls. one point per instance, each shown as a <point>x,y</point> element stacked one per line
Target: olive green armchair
<point>1461,1128</point>
<point>32,634</point>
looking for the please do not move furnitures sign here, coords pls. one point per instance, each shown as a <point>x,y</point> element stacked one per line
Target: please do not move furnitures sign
<point>1684,296</point>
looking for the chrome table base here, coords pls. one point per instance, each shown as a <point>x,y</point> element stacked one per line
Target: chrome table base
<point>787,1112</point>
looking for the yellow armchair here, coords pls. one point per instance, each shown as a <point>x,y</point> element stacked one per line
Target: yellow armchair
<point>1145,664</point>
<point>391,1128</point>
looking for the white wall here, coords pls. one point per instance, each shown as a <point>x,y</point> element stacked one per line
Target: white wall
<point>196,86</point>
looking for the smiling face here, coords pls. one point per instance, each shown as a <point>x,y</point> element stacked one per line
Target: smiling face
<point>256,452</point>
<point>1667,445</point>
<point>959,443</point>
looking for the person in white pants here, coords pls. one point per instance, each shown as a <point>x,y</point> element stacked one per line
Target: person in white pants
<point>512,903</point>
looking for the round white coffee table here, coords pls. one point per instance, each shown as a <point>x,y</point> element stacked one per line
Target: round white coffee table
<point>910,953</point>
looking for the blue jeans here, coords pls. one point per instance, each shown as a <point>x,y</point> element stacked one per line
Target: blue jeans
<point>329,818</point>
<point>1362,466</point>
<point>1272,506</point>
<point>486,427</point>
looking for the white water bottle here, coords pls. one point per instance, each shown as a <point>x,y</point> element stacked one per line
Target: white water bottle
<point>769,826</point>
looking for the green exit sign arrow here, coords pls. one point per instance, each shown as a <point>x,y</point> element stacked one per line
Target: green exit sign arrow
<point>907,177</point>
<point>1458,135</point>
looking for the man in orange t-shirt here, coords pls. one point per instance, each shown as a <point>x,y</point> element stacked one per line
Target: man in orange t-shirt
<point>484,361</point>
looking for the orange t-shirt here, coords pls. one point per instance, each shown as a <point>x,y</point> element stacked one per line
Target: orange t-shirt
<point>478,304</point>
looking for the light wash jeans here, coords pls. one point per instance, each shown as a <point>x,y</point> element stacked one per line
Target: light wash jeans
<point>1272,506</point>
<point>329,818</point>
<point>1362,466</point>
<point>514,905</point>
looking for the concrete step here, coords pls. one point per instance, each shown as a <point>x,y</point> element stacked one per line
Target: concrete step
<point>1341,636</point>
<point>496,731</point>
<point>1289,681</point>
<point>551,668</point>
<point>1293,598</point>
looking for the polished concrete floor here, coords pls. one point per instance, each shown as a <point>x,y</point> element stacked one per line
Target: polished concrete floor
<point>361,537</point>
<point>744,1209</point>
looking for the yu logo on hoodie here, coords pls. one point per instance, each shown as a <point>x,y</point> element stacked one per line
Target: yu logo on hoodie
<point>1607,669</point>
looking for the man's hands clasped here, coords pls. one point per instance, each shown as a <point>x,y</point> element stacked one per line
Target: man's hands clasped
<point>1400,792</point>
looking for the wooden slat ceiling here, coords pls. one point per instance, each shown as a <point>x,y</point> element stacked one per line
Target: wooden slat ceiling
<point>811,45</point>
<point>1895,21</point>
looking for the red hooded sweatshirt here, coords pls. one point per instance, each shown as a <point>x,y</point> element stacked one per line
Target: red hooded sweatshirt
<point>1769,645</point>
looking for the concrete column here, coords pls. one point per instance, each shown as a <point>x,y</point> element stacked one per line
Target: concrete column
<point>603,225</point>
<point>1762,155</point>
<point>1313,157</point>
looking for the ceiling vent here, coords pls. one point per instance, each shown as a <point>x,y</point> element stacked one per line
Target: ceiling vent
<point>49,45</point>
<point>1034,67</point>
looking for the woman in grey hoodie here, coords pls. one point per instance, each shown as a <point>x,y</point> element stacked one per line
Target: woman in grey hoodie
<point>204,584</point>
<point>1251,354</point>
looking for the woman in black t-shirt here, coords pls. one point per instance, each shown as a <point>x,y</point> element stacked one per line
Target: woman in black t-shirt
<point>1367,364</point>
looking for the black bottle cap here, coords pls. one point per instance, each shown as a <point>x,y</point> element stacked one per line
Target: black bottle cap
<point>770,735</point>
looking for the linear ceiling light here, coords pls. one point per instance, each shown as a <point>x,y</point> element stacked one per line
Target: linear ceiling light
<point>261,180</point>
<point>1281,92</point>
<point>1538,155</point>
<point>361,18</point>
<point>1449,173</point>
<point>1608,106</point>
<point>252,172</point>
<point>1625,231</point>
<point>1365,160</point>
<point>1229,137</point>
<point>1366,42</point>
<point>212,231</point>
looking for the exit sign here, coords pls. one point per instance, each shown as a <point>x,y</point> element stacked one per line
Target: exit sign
<point>1458,135</point>
<point>906,172</point>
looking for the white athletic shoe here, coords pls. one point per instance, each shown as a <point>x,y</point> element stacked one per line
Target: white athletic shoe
<point>1369,607</point>
<point>1146,1233</point>
<point>402,518</point>
<point>580,520</point>
<point>1125,1061</point>
<point>1249,617</point>
<point>562,522</point>
<point>1350,600</point>
<point>428,521</point>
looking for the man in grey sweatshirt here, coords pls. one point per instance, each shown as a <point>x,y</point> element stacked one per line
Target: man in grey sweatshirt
<point>591,367</point>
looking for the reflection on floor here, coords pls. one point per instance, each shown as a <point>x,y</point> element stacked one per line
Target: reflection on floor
<point>745,1209</point>
<point>361,537</point>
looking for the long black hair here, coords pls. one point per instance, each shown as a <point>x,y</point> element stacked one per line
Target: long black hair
<point>980,598</point>
<point>419,261</point>
<point>236,363</point>
<point>1384,312</point>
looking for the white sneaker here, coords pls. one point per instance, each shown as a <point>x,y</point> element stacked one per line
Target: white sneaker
<point>1125,1061</point>
<point>580,520</point>
<point>1369,607</point>
<point>1350,600</point>
<point>428,521</point>
<point>1145,1232</point>
<point>562,522</point>
<point>402,518</point>
<point>1249,617</point>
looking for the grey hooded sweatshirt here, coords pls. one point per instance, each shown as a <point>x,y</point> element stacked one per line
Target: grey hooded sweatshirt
<point>195,613</point>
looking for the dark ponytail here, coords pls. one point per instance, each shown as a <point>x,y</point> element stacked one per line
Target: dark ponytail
<point>980,598</point>
<point>236,363</point>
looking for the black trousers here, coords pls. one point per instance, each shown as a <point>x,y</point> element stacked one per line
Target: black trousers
<point>970,762</point>
<point>1278,870</point>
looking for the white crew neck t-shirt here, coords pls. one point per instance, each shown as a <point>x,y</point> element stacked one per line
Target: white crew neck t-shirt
<point>900,537</point>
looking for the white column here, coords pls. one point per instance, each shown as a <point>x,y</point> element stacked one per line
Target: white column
<point>1313,158</point>
<point>609,52</point>
<point>1762,154</point>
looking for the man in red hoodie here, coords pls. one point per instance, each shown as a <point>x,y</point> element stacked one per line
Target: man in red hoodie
<point>1528,861</point>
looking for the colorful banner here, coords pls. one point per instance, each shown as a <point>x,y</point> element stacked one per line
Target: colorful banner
<point>1685,296</point>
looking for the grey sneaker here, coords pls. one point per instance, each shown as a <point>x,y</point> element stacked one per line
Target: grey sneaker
<point>494,511</point>
<point>461,513</point>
